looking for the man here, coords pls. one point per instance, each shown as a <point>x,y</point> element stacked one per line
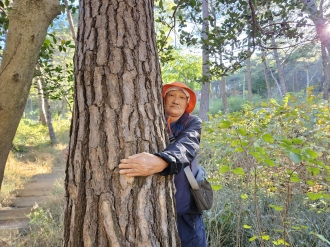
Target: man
<point>184,135</point>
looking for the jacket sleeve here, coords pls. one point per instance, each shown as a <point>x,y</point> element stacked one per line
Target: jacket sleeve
<point>184,150</point>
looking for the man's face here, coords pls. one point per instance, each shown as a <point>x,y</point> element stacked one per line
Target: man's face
<point>176,103</point>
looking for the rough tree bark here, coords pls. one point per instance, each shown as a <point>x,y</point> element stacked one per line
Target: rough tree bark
<point>28,23</point>
<point>118,112</point>
<point>205,91</point>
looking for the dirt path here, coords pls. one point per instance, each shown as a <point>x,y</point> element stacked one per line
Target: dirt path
<point>14,219</point>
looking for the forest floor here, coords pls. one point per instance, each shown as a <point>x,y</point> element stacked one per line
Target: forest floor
<point>14,219</point>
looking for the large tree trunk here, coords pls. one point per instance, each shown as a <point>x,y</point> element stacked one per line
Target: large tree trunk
<point>248,75</point>
<point>118,112</point>
<point>316,15</point>
<point>279,68</point>
<point>41,104</point>
<point>205,92</point>
<point>28,23</point>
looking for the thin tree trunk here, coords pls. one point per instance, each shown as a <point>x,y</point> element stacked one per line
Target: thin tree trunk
<point>222,82</point>
<point>264,63</point>
<point>326,71</point>
<point>249,83</point>
<point>117,112</point>
<point>224,94</point>
<point>293,81</point>
<point>71,25</point>
<point>279,68</point>
<point>223,91</point>
<point>51,131</point>
<point>28,23</point>
<point>278,85</point>
<point>205,92</point>
<point>41,104</point>
<point>243,89</point>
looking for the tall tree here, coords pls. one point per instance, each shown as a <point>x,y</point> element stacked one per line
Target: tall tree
<point>41,103</point>
<point>280,70</point>
<point>264,64</point>
<point>118,112</point>
<point>316,15</point>
<point>249,79</point>
<point>205,92</point>
<point>28,23</point>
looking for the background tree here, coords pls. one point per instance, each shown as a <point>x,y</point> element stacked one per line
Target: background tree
<point>323,34</point>
<point>26,32</point>
<point>118,112</point>
<point>205,91</point>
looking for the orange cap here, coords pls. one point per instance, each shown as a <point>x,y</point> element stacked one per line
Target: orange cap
<point>192,98</point>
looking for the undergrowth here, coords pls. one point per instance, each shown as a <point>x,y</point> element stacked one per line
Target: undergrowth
<point>270,168</point>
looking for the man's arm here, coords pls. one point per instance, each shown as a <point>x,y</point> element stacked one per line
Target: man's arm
<point>172,160</point>
<point>142,164</point>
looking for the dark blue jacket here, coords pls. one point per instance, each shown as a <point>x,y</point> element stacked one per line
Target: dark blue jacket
<point>181,153</point>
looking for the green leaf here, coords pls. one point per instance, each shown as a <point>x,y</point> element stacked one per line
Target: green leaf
<point>235,143</point>
<point>260,150</point>
<point>313,170</point>
<point>265,237</point>
<point>247,226</point>
<point>239,149</point>
<point>297,141</point>
<point>313,196</point>
<point>269,162</point>
<point>242,132</point>
<point>245,143</point>
<point>252,238</point>
<point>296,158</point>
<point>268,138</point>
<point>312,153</point>
<point>295,179</point>
<point>244,196</point>
<point>310,182</point>
<point>224,169</point>
<point>322,238</point>
<point>277,208</point>
<point>216,187</point>
<point>285,141</point>
<point>238,171</point>
<point>224,124</point>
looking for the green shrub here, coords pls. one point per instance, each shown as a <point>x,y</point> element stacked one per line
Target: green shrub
<point>271,167</point>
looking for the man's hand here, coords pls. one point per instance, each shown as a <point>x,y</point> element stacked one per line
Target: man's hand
<point>65,153</point>
<point>142,164</point>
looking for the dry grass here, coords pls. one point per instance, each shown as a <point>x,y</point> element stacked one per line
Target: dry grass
<point>32,154</point>
<point>18,172</point>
